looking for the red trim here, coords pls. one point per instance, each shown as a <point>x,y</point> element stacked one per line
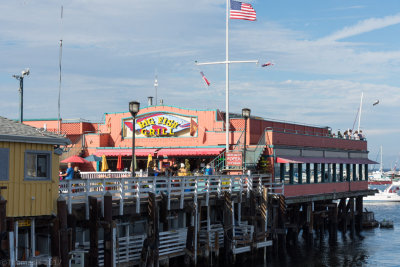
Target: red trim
<point>290,159</point>
<point>125,152</point>
<point>324,188</point>
<point>190,151</point>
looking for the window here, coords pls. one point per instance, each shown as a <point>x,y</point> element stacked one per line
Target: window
<point>4,164</point>
<point>38,165</point>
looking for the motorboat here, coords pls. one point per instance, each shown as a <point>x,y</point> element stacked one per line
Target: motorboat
<point>390,194</point>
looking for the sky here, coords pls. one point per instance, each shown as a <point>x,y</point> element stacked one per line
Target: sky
<point>325,55</point>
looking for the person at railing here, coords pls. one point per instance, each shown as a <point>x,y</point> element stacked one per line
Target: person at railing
<point>173,170</point>
<point>77,173</point>
<point>361,136</point>
<point>182,171</point>
<point>208,170</point>
<point>339,134</point>
<point>69,174</point>
<point>356,136</point>
<point>346,134</point>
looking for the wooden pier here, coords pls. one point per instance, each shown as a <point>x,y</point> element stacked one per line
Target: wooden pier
<point>150,221</point>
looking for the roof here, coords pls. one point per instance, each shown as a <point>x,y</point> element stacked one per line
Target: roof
<point>12,131</point>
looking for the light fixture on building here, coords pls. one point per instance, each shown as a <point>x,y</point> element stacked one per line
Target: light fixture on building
<point>20,78</point>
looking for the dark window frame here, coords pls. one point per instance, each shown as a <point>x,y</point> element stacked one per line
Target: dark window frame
<point>5,162</point>
<point>48,155</point>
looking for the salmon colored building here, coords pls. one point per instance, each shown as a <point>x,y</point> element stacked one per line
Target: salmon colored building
<point>291,152</point>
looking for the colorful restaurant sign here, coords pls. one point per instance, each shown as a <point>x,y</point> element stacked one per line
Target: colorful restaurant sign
<point>234,159</point>
<point>158,124</point>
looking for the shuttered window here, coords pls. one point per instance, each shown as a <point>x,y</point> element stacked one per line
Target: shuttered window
<point>4,164</point>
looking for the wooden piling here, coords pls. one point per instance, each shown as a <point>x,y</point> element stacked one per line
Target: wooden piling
<point>108,239</point>
<point>3,222</point>
<point>63,230</point>
<point>359,213</point>
<point>228,226</point>
<point>93,232</point>
<point>352,217</point>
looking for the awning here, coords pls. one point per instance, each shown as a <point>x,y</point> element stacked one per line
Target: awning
<point>190,151</point>
<point>125,152</point>
<point>289,159</point>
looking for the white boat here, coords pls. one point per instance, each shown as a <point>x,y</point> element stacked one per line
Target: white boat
<point>379,177</point>
<point>390,194</point>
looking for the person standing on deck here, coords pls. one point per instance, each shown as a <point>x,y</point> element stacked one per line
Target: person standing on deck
<point>208,170</point>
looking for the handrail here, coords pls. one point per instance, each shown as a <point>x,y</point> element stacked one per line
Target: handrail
<point>221,163</point>
<point>138,188</point>
<point>100,175</point>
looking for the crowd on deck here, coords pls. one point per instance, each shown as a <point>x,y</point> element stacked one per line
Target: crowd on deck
<point>348,134</point>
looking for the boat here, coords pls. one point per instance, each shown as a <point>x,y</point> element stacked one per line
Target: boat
<point>390,194</point>
<point>379,177</point>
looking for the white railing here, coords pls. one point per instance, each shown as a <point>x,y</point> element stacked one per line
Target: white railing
<point>101,175</point>
<point>138,188</point>
<point>172,242</point>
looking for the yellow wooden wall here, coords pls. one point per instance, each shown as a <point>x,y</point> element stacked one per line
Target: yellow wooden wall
<point>19,193</point>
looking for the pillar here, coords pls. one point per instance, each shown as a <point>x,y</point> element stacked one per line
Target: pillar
<point>315,172</point>
<point>341,172</point>
<point>334,172</point>
<point>282,172</point>
<point>359,213</point>
<point>63,230</point>
<point>291,173</point>
<point>348,172</point>
<point>108,240</point>
<point>93,232</point>
<point>300,173</point>
<point>308,173</point>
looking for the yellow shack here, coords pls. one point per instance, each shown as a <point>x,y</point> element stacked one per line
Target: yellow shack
<point>29,168</point>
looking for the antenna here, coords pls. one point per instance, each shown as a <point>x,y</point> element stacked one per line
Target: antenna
<point>59,85</point>
<point>156,85</point>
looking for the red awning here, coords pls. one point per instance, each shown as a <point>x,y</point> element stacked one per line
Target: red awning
<point>289,159</point>
<point>125,152</point>
<point>190,151</point>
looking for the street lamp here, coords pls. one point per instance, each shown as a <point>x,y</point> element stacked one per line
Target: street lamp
<point>245,114</point>
<point>133,109</point>
<point>21,92</point>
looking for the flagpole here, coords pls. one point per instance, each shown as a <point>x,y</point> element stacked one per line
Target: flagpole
<point>227,76</point>
<point>227,62</point>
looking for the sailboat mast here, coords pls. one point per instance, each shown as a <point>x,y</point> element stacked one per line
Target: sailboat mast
<point>359,113</point>
<point>381,165</point>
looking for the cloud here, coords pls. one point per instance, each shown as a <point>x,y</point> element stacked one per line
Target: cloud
<point>364,26</point>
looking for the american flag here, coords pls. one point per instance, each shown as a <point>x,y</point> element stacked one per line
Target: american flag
<point>241,10</point>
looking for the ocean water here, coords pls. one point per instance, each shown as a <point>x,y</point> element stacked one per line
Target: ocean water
<point>373,247</point>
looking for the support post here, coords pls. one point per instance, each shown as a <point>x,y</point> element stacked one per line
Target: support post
<point>108,238</point>
<point>359,213</point>
<point>93,232</point>
<point>63,230</point>
<point>308,173</point>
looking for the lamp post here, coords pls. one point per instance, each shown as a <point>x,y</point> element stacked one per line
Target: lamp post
<point>133,109</point>
<point>245,114</point>
<point>20,78</point>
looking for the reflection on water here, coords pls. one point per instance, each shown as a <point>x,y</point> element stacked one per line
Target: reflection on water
<point>374,247</point>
